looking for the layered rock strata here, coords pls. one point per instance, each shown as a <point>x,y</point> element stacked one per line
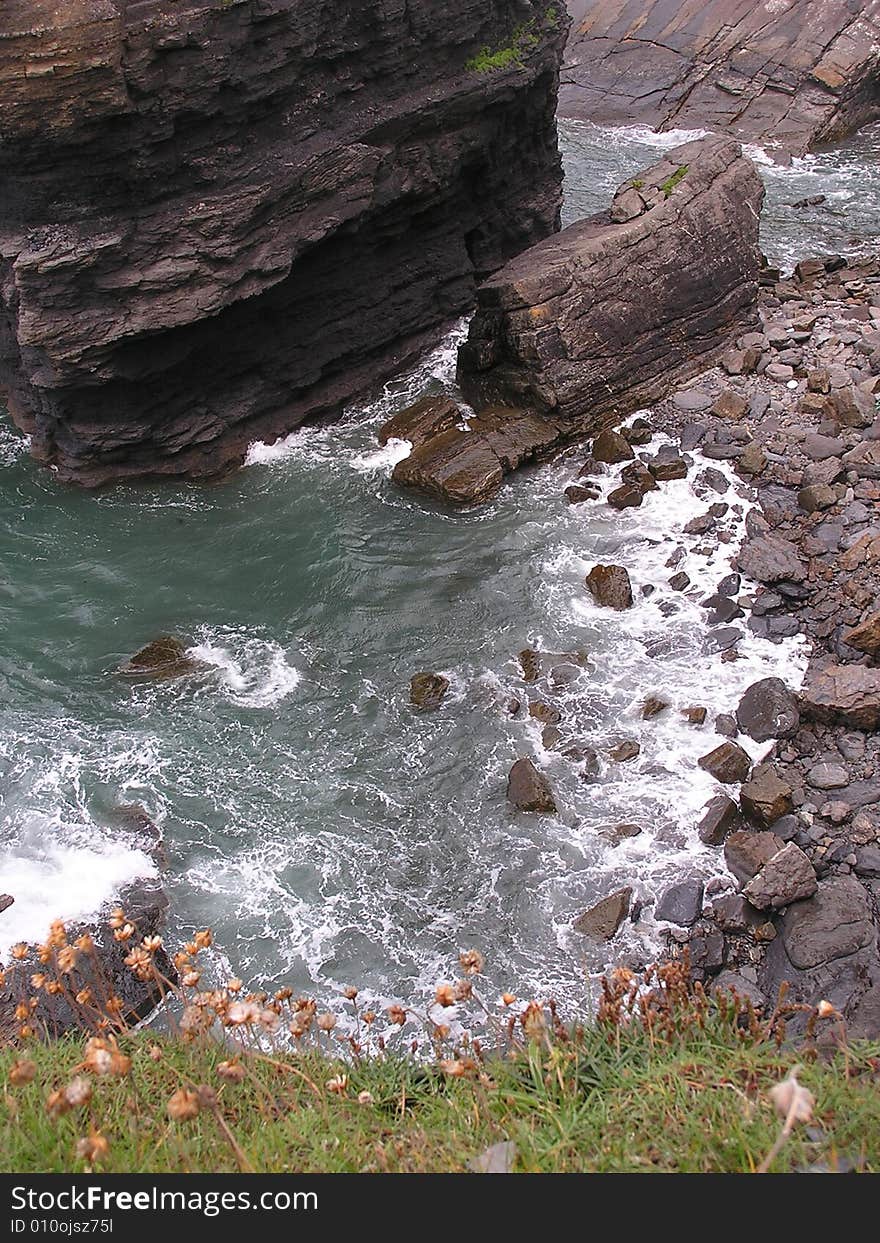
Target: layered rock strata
<point>221,218</point>
<point>790,73</point>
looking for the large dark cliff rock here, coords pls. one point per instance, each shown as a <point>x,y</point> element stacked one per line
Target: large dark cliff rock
<point>610,314</point>
<point>220,218</point>
<point>790,72</point>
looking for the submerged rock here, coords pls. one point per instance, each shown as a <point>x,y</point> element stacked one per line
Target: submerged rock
<point>427,691</point>
<point>165,657</point>
<point>602,921</point>
<point>530,790</point>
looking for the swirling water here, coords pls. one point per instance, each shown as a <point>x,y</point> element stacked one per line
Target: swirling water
<point>328,833</point>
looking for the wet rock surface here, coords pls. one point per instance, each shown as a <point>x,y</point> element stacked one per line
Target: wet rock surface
<point>529,790</point>
<point>602,921</point>
<point>256,262</point>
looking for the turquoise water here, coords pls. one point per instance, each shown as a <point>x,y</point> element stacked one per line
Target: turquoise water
<point>328,833</point>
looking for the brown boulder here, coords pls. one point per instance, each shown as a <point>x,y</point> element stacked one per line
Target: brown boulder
<point>422,421</point>
<point>427,691</point>
<point>610,447</point>
<point>530,790</point>
<point>765,797</point>
<point>865,637</point>
<point>844,695</point>
<point>746,852</point>
<point>728,763</point>
<point>165,657</point>
<point>602,921</point>
<point>786,877</point>
<point>610,586</point>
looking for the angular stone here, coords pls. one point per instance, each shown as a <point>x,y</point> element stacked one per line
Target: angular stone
<point>865,637</point>
<point>816,496</point>
<point>786,877</point>
<point>667,469</point>
<point>843,694</point>
<point>610,586</point>
<point>627,496</point>
<point>771,559</point>
<point>768,709</point>
<point>610,447</point>
<point>728,763</point>
<point>602,921</point>
<point>625,751</point>
<point>732,913</point>
<point>681,904</point>
<point>6,901</point>
<point>828,777</point>
<point>832,924</point>
<point>427,691</point>
<point>746,852</point>
<point>576,495</point>
<point>639,475</point>
<point>765,797</point>
<point>721,817</point>
<point>165,657</point>
<point>730,405</point>
<point>653,706</point>
<point>695,715</point>
<point>530,790</point>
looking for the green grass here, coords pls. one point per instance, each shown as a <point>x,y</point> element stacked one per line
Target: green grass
<point>610,1099</point>
<point>487,60</point>
<point>671,182</point>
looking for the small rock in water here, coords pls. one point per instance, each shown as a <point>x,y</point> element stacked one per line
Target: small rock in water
<point>653,706</point>
<point>6,901</point>
<point>625,751</point>
<point>768,709</point>
<point>610,586</point>
<point>765,797</point>
<point>575,494</point>
<point>680,581</point>
<point>530,663</point>
<point>427,690</point>
<point>695,715</point>
<point>639,476</point>
<point>728,763</point>
<point>545,713</point>
<point>627,496</point>
<point>672,468</point>
<point>530,790</point>
<point>165,657</point>
<point>602,921</point>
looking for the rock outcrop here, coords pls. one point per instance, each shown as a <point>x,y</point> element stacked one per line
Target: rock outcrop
<point>612,313</point>
<point>220,218</point>
<point>790,73</point>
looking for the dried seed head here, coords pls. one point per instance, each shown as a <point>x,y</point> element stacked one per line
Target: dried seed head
<point>85,945</point>
<point>365,1098</point>
<point>117,917</point>
<point>155,1053</point>
<point>22,1072</point>
<point>326,1022</point>
<point>232,1071</point>
<point>152,944</point>
<point>78,1092</point>
<point>183,1105</point>
<point>369,1017</point>
<point>792,1100</point>
<point>67,957</point>
<point>234,986</point>
<point>472,961</point>
<point>508,999</point>
<point>19,951</point>
<point>203,939</point>
<point>93,1148</point>
<point>444,995</point>
<point>397,1015</point>
<point>826,1010</point>
<point>38,980</point>
<point>338,1084</point>
<point>351,994</point>
<point>57,935</point>
<point>57,1104</point>
<point>454,1067</point>
<point>84,997</point>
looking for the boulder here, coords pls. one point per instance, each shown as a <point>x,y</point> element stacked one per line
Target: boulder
<point>165,657</point>
<point>610,586</point>
<point>770,559</point>
<point>865,637</point>
<point>627,496</point>
<point>608,317</point>
<point>6,901</point>
<point>530,790</point>
<point>765,797</point>
<point>721,817</point>
<point>576,494</point>
<point>768,709</point>
<point>666,469</point>
<point>786,877</point>
<point>422,421</point>
<point>625,751</point>
<point>730,405</point>
<point>639,475</point>
<point>746,852</point>
<point>681,904</point>
<point>467,466</point>
<point>834,923</point>
<point>427,691</point>
<point>610,447</point>
<point>602,921</point>
<point>728,763</point>
<point>653,706</point>
<point>843,695</point>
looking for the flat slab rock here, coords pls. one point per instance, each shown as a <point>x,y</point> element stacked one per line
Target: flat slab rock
<point>771,559</point>
<point>467,465</point>
<point>602,921</point>
<point>843,694</point>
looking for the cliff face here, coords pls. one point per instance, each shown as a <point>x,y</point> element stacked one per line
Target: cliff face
<point>794,72</point>
<point>219,219</point>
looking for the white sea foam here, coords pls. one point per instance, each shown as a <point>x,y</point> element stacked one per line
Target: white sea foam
<point>54,873</point>
<point>382,460</point>
<point>255,673</point>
